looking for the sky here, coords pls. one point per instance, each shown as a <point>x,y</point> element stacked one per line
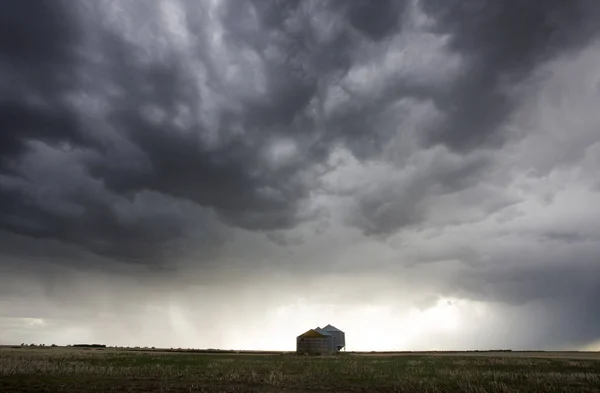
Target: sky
<point>422,174</point>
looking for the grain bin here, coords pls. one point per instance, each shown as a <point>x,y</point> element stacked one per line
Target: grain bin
<point>339,337</point>
<point>315,342</point>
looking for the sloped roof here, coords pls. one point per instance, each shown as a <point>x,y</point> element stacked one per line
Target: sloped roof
<point>331,328</point>
<point>313,333</point>
<point>322,331</point>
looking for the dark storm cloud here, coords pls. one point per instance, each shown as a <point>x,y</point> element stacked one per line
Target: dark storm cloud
<point>156,110</point>
<point>563,289</point>
<point>376,19</point>
<point>37,60</point>
<point>502,42</point>
<point>153,136</point>
<point>316,45</point>
<point>402,203</point>
<point>55,199</point>
<point>229,176</point>
<point>154,113</point>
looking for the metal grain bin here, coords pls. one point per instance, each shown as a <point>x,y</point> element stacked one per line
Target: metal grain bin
<point>339,337</point>
<point>315,342</point>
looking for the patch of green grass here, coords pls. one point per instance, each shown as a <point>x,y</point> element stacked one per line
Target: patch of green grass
<point>73,370</point>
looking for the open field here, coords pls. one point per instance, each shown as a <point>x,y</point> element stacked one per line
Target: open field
<point>118,370</point>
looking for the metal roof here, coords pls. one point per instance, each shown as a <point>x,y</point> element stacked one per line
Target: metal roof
<point>322,331</point>
<point>316,332</point>
<point>313,333</point>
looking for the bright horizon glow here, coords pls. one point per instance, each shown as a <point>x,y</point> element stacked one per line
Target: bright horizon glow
<point>367,328</point>
<point>448,324</point>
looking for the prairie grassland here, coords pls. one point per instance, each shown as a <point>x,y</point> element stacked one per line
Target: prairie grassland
<point>76,370</point>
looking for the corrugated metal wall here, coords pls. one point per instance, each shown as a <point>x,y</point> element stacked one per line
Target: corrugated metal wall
<point>315,345</point>
<point>339,339</point>
<point>338,336</point>
<point>321,341</point>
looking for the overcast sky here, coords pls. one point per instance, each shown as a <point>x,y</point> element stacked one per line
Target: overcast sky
<point>422,174</point>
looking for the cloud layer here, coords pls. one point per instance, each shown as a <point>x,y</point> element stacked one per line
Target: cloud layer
<point>410,150</point>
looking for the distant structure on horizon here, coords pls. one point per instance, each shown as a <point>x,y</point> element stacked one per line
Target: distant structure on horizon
<point>321,341</point>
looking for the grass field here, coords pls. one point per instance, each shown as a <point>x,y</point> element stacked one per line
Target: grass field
<point>110,370</point>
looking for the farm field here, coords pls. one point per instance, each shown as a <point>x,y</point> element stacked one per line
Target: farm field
<point>119,370</point>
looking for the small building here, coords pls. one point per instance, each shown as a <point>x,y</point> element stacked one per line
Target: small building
<point>319,341</point>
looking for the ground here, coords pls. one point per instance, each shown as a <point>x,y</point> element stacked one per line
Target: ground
<point>119,370</point>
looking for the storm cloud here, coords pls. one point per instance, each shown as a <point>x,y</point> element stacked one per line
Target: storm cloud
<point>421,154</point>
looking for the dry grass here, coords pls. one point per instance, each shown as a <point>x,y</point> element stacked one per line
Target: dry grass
<point>73,370</point>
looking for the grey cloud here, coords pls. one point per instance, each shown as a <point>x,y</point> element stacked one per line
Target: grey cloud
<point>54,198</point>
<point>148,106</point>
<point>145,109</point>
<point>502,43</point>
<point>566,290</point>
<point>398,199</point>
<point>283,240</point>
<point>548,284</point>
<point>569,237</point>
<point>376,19</point>
<point>37,62</point>
<point>501,46</point>
<point>231,177</point>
